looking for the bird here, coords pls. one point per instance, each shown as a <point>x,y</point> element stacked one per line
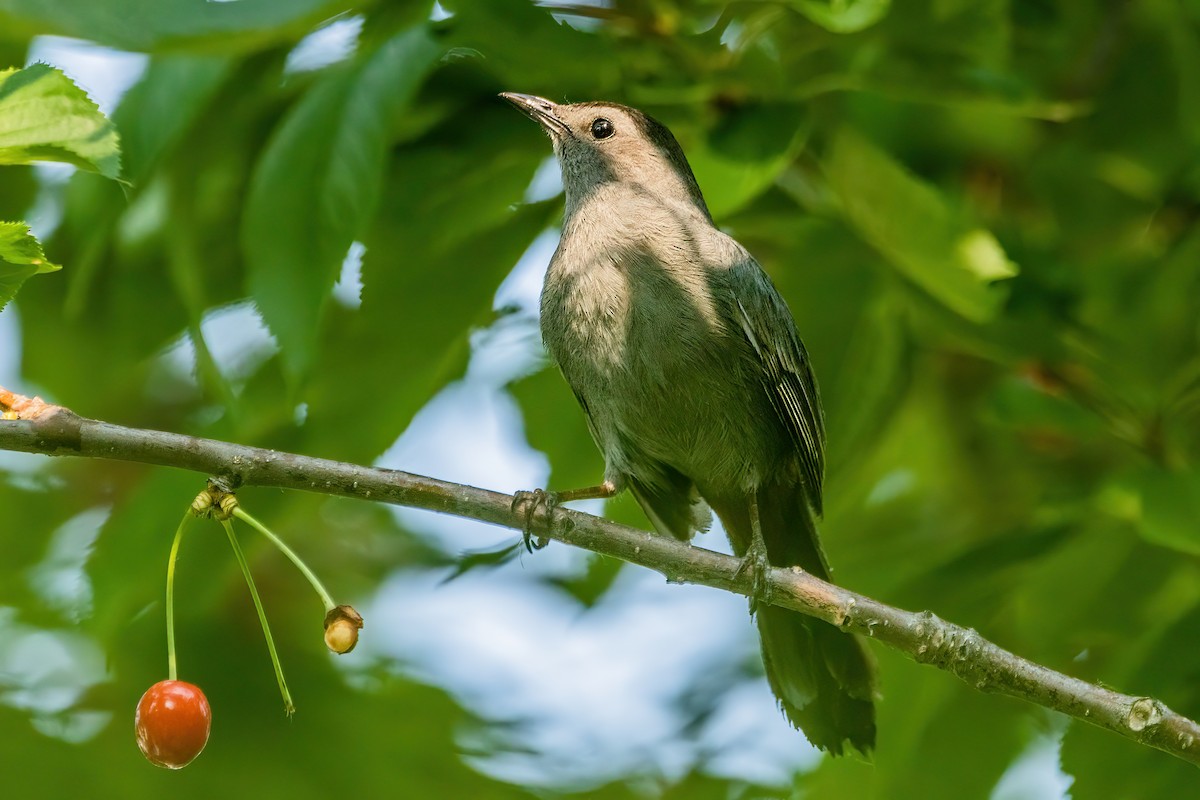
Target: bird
<point>696,387</point>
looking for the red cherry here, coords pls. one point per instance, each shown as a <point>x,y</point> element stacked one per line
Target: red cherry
<point>172,723</point>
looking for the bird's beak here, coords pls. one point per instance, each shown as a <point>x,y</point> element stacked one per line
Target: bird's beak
<point>540,110</point>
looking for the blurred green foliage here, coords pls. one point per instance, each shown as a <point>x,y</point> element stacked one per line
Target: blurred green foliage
<point>983,215</point>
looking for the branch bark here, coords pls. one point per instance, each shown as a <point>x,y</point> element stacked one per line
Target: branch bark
<point>32,426</point>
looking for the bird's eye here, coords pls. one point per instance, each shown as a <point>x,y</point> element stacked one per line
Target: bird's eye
<point>602,128</point>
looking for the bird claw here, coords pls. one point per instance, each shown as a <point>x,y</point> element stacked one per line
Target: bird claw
<point>755,561</point>
<point>528,503</point>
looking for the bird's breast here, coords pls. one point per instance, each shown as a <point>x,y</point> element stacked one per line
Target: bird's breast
<point>586,315</point>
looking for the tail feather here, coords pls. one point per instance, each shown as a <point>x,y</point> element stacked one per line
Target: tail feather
<point>673,506</point>
<point>823,678</point>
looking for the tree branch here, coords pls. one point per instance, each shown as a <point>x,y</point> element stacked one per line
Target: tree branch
<point>32,426</point>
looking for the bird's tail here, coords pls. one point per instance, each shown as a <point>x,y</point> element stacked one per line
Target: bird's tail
<point>824,679</point>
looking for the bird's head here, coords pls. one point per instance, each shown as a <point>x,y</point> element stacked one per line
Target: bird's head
<point>598,143</point>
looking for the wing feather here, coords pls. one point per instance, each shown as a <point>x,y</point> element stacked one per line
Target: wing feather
<point>787,371</point>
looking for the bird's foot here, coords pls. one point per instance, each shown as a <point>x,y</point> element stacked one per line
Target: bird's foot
<point>757,564</point>
<point>528,503</point>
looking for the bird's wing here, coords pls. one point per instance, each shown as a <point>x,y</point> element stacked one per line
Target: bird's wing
<point>768,326</point>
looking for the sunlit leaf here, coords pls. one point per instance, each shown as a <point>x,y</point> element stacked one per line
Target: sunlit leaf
<point>20,257</point>
<point>44,116</point>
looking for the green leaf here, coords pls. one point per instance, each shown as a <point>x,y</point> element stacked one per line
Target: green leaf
<point>20,258</point>
<point>742,157</point>
<point>872,380</point>
<point>19,188</point>
<point>451,226</point>
<point>1104,765</point>
<point>165,103</point>
<point>317,185</point>
<point>843,16</point>
<point>489,558</point>
<point>169,24</point>
<point>44,116</point>
<point>928,714</point>
<point>1170,508</point>
<point>916,230</point>
<point>602,571</point>
<point>527,50</point>
<point>1184,46</point>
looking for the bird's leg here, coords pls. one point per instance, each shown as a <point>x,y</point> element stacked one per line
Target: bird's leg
<point>528,503</point>
<point>756,560</point>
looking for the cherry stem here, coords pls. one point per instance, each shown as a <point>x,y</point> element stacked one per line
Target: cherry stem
<point>171,672</point>
<point>288,706</point>
<point>291,554</point>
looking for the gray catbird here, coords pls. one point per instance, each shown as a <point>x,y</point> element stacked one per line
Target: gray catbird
<point>696,386</point>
